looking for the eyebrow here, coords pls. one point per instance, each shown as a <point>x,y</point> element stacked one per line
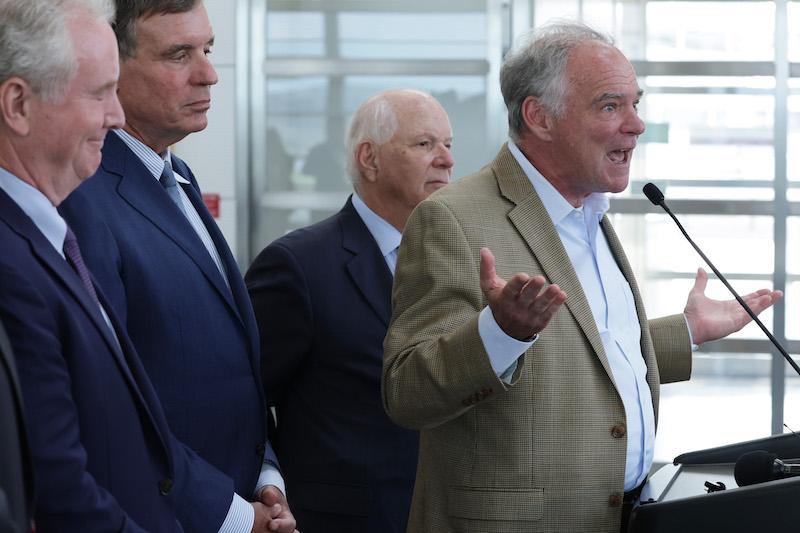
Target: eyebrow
<point>616,96</point>
<point>172,50</point>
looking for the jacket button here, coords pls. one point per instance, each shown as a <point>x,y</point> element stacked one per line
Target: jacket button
<point>165,486</point>
<point>618,431</point>
<point>615,500</point>
<point>260,449</point>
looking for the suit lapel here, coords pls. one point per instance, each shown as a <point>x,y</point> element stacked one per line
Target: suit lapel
<point>143,192</point>
<point>367,268</point>
<point>546,246</point>
<point>237,291</point>
<point>60,269</point>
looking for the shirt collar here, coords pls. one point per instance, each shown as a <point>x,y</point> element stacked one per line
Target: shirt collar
<point>386,235</point>
<point>38,208</point>
<point>594,206</point>
<point>151,160</point>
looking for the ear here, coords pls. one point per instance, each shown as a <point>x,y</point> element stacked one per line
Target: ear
<point>15,105</point>
<point>537,119</point>
<point>367,159</point>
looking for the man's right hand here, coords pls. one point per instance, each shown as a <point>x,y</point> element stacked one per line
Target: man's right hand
<point>266,517</point>
<point>523,305</point>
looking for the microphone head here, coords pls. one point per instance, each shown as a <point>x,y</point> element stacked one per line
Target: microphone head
<point>755,467</point>
<point>653,194</point>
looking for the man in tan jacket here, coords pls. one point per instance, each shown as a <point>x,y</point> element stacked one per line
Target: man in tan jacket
<point>519,344</point>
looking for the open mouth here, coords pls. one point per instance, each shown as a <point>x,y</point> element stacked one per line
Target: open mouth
<point>620,157</point>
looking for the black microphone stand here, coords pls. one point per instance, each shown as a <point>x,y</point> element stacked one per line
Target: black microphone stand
<point>657,198</point>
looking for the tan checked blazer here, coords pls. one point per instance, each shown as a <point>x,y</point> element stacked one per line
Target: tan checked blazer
<point>547,452</point>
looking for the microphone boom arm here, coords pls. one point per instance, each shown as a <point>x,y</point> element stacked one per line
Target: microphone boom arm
<point>660,201</point>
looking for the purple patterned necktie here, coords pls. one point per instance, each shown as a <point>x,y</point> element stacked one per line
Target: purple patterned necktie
<point>73,254</point>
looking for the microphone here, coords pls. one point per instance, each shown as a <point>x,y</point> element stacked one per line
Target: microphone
<point>760,466</point>
<point>656,197</point>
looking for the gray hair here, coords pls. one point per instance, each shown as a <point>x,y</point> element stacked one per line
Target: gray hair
<point>36,44</point>
<point>537,65</point>
<point>376,121</point>
<point>129,11</point>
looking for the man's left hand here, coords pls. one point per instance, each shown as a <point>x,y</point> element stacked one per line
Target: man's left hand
<point>710,320</point>
<point>282,520</point>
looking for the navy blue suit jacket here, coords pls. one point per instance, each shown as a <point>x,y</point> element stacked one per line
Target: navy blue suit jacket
<point>322,299</point>
<point>197,339</point>
<point>104,458</point>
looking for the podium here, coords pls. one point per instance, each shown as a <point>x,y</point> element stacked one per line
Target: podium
<point>675,498</point>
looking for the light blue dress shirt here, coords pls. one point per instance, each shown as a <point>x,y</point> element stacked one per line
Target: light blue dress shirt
<point>386,235</point>
<point>612,304</point>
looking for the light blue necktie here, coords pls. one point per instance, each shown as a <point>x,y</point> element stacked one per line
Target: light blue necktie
<point>167,181</point>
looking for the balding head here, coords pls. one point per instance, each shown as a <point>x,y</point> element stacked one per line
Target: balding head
<point>398,152</point>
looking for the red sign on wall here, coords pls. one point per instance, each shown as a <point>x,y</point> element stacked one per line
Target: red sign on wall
<point>212,200</point>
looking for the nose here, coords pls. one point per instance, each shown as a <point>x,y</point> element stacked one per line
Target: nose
<point>444,157</point>
<point>633,124</point>
<point>205,74</point>
<point>115,115</point>
<point>209,73</point>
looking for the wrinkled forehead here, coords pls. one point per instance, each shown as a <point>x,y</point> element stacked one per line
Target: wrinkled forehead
<point>598,68</point>
<point>421,116</point>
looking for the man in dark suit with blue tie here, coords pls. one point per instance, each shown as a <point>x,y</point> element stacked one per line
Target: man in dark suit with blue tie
<point>165,266</point>
<point>103,456</point>
<point>322,297</point>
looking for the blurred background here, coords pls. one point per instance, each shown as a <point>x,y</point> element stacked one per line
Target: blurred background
<point>722,108</point>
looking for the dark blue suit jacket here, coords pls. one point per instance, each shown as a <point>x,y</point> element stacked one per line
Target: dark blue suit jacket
<point>322,299</point>
<point>104,458</point>
<point>197,339</point>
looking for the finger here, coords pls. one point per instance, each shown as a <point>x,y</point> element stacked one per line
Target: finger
<point>271,495</point>
<point>549,303</point>
<point>282,524</point>
<point>531,290</point>
<point>488,271</point>
<point>760,303</point>
<point>514,286</point>
<point>275,510</point>
<point>700,281</point>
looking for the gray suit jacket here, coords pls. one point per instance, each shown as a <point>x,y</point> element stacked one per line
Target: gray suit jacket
<point>540,453</point>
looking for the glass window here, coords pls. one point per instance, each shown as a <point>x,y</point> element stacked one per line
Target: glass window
<point>412,35</point>
<point>690,31</point>
<point>727,400</point>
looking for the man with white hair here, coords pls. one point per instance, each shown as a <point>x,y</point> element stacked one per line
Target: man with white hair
<point>322,300</point>
<point>103,457</point>
<point>519,343</point>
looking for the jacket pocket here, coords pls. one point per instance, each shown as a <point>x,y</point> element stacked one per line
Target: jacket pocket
<point>476,503</point>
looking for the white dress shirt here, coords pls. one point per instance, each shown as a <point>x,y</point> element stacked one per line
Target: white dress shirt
<point>612,304</point>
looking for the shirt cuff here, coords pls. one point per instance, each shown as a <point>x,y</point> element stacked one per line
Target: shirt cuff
<point>240,516</point>
<point>695,347</point>
<point>503,350</point>
<point>270,475</point>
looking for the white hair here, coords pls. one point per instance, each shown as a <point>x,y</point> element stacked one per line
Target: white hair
<point>36,44</point>
<point>375,120</point>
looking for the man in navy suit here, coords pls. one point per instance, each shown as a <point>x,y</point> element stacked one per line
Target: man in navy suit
<point>165,265</point>
<point>103,456</point>
<point>16,471</point>
<point>322,299</point>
